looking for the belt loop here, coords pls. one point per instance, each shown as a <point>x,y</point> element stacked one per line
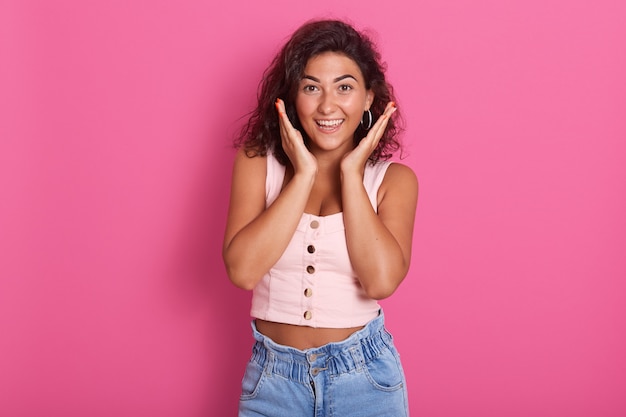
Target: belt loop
<point>357,357</point>
<point>269,366</point>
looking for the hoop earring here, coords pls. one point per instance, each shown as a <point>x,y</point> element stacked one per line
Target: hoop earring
<point>369,119</point>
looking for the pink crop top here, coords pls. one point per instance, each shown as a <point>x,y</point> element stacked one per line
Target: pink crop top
<point>313,283</point>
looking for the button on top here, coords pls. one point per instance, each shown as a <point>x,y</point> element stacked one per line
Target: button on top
<point>308,315</point>
<point>308,292</point>
<point>310,248</point>
<point>310,269</point>
<point>315,224</point>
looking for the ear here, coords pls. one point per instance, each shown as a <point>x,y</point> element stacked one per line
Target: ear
<point>369,99</point>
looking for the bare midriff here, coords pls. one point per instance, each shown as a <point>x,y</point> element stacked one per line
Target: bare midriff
<point>302,337</point>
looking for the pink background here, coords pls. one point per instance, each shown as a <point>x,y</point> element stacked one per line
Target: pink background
<point>115,158</point>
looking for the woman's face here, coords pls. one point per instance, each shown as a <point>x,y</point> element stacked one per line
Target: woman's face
<point>331,100</point>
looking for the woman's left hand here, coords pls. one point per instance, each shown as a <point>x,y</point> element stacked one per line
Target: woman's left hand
<point>354,161</point>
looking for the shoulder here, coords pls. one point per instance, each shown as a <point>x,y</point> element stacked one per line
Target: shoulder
<point>248,183</point>
<point>249,161</point>
<point>398,173</point>
<point>399,180</point>
<point>249,172</point>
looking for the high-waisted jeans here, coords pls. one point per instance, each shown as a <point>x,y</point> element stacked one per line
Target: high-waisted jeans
<point>358,377</point>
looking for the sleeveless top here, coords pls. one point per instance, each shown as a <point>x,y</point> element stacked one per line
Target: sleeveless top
<point>313,283</point>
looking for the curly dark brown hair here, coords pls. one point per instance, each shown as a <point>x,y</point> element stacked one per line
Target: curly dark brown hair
<point>281,79</point>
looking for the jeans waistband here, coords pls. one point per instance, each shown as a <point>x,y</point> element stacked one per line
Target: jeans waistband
<point>350,354</point>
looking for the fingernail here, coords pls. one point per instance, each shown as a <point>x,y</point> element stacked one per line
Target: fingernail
<point>393,104</point>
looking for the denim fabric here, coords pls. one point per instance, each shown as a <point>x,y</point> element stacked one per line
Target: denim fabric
<point>358,377</point>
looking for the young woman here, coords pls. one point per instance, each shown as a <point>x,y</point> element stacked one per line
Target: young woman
<point>320,227</point>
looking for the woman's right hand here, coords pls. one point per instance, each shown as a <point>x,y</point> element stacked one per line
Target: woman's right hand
<point>256,235</point>
<point>301,158</point>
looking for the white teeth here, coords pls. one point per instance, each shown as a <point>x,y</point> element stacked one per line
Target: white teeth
<point>329,122</point>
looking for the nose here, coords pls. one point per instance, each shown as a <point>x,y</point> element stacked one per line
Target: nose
<point>326,104</point>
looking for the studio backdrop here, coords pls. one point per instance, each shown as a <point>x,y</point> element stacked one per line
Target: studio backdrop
<point>116,128</point>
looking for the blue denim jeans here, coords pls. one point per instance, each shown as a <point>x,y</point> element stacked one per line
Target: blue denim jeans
<point>358,377</point>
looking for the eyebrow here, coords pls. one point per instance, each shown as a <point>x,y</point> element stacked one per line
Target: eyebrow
<point>336,80</point>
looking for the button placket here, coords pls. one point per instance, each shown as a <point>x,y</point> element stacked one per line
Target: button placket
<point>308,289</point>
<point>317,363</point>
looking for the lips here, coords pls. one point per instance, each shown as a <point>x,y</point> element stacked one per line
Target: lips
<point>329,125</point>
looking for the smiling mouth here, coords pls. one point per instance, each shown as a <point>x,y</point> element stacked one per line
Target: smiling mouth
<point>329,125</point>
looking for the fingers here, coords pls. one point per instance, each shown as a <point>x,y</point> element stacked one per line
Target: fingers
<point>287,131</point>
<point>289,134</point>
<point>381,124</point>
<point>283,119</point>
<point>280,107</point>
<point>376,132</point>
<point>293,143</point>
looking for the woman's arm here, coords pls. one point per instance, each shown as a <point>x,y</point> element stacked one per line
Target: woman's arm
<point>380,244</point>
<point>256,237</point>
